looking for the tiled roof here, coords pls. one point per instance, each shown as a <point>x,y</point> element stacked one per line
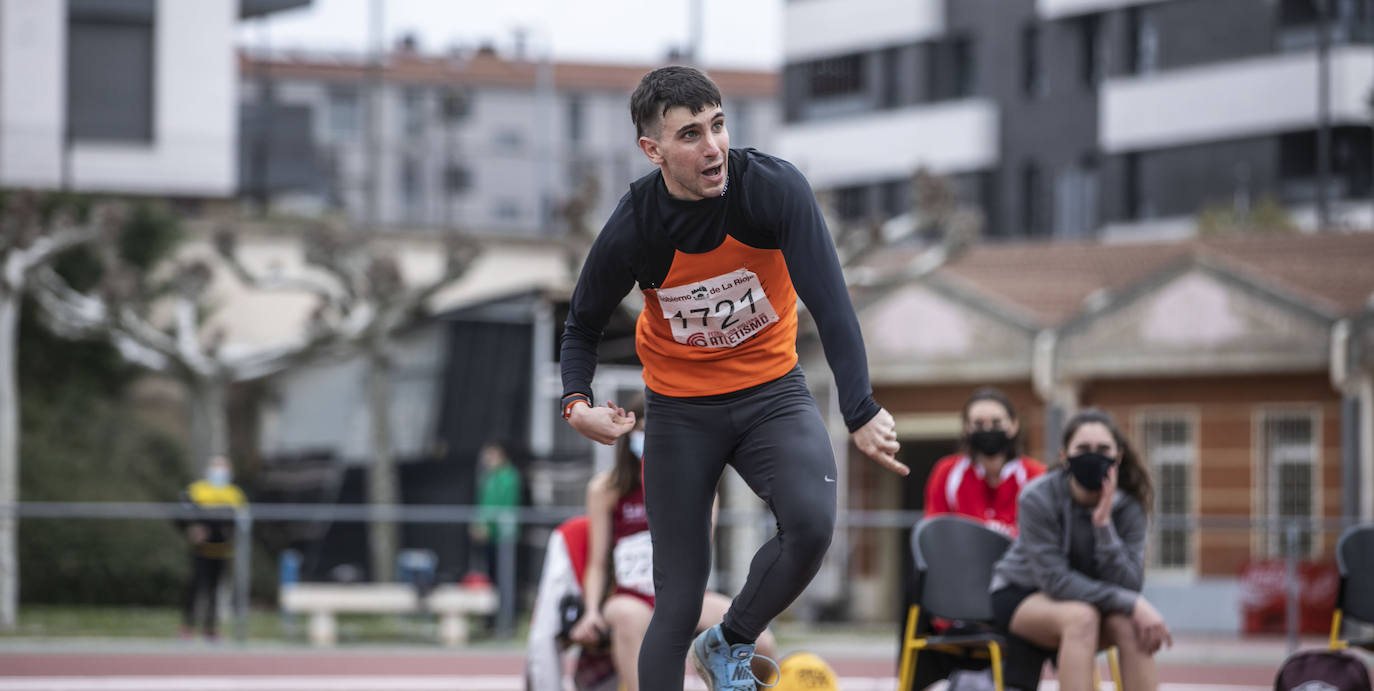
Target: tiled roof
<point>1050,283</point>
<point>493,71</point>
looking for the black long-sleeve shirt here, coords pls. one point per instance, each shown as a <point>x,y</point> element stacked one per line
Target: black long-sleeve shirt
<point>767,206</point>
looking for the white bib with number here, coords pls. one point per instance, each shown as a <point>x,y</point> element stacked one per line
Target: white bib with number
<point>633,557</point>
<point>719,312</point>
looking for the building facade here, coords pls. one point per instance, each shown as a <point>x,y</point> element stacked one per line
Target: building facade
<point>1238,366</point>
<point>1083,118</point>
<point>122,96</point>
<point>477,141</point>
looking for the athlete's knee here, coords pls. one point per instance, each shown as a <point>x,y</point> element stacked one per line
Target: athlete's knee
<point>810,533</point>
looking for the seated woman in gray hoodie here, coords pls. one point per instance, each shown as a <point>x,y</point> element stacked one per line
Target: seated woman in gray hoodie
<point>1071,581</point>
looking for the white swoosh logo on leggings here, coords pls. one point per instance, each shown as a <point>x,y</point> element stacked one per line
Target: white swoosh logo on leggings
<point>828,478</point>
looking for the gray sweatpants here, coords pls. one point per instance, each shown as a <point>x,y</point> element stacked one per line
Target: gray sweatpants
<point>774,437</point>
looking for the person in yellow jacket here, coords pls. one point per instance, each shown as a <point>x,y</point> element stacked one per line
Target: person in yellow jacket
<point>211,536</point>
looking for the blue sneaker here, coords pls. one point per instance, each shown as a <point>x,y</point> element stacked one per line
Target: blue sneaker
<point>725,667</point>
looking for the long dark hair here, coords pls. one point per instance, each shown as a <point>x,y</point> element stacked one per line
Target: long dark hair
<point>996,395</point>
<point>627,473</point>
<point>1132,476</point>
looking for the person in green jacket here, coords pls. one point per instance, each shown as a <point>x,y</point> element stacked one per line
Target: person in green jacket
<point>498,495</point>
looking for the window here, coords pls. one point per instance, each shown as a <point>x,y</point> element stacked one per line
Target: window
<point>1090,63</point>
<point>1167,446</point>
<point>1032,202</point>
<point>1289,457</point>
<point>1132,190</point>
<point>1032,77</point>
<point>457,179</point>
<point>1348,21</point>
<point>891,96</point>
<point>1075,201</point>
<point>950,69</point>
<point>110,70</point>
<point>345,110</point>
<point>851,202</point>
<point>896,196</point>
<point>1350,165</point>
<point>575,118</point>
<point>1142,41</point>
<point>413,110</point>
<point>457,105</point>
<point>842,76</point>
<point>411,190</point>
<point>508,141</point>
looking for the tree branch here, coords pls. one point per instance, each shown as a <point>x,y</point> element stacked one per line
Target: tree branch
<point>73,315</point>
<point>226,244</point>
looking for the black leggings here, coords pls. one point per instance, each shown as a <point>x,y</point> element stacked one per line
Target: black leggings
<point>773,435</point>
<point>205,575</point>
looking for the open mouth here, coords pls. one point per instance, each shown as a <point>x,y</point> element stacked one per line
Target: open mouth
<point>714,172</point>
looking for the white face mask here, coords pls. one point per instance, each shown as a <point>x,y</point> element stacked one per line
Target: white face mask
<point>218,477</point>
<point>637,443</point>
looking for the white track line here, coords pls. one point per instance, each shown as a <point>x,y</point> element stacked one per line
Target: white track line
<point>410,683</point>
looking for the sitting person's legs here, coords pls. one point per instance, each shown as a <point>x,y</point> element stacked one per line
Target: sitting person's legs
<point>628,618</point>
<point>1138,671</point>
<point>1072,627</point>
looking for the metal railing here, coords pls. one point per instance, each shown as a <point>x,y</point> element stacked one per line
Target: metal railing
<point>853,522</point>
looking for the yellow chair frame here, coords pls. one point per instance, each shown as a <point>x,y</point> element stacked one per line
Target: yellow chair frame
<point>911,645</point>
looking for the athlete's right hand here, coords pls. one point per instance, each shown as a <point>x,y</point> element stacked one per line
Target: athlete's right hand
<point>589,630</point>
<point>602,424</point>
<point>878,440</point>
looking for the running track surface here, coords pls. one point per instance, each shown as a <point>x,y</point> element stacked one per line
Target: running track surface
<point>468,671</point>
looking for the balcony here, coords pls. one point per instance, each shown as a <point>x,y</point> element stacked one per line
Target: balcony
<point>1244,98</point>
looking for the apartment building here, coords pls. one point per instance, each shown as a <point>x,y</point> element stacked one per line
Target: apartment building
<point>477,140</point>
<point>1084,118</point>
<point>122,96</point>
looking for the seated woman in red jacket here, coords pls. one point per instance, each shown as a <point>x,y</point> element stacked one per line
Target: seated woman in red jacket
<point>985,478</point>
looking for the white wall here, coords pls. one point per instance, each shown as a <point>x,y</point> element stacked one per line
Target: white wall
<point>33,49</point>
<point>816,28</point>
<point>947,138</point>
<point>195,112</point>
<point>1053,9</point>
<point>1230,100</point>
<point>195,121</point>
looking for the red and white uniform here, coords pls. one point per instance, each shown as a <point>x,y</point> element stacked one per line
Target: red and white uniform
<point>960,486</point>
<point>632,553</point>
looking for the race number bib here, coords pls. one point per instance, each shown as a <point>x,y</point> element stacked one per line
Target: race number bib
<point>720,312</point>
<point>634,563</point>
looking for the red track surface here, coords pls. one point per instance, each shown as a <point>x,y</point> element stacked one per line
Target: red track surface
<point>352,662</point>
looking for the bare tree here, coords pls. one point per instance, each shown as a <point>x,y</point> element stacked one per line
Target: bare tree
<point>936,214</point>
<point>366,283</point>
<point>28,244</point>
<point>362,300</point>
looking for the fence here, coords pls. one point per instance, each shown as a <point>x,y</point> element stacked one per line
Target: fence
<point>866,539</point>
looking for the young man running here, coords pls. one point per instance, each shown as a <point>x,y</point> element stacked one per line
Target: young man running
<point>722,242</point>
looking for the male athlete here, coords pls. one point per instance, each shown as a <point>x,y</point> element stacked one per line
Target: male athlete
<point>722,242</point>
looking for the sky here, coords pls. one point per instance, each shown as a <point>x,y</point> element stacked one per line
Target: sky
<point>737,33</point>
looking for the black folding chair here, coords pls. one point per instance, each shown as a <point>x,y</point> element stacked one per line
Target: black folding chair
<point>955,557</point>
<point>1355,561</point>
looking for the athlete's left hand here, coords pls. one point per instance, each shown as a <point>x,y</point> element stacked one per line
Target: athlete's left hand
<point>878,440</point>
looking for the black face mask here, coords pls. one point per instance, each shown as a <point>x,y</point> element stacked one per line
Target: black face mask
<point>1090,469</point>
<point>989,442</point>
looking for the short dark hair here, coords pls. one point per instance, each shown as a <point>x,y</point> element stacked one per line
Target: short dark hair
<point>669,87</point>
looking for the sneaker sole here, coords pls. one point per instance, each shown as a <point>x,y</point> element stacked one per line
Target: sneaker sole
<point>700,668</point>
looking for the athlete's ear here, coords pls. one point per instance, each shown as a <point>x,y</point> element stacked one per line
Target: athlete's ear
<point>651,150</point>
